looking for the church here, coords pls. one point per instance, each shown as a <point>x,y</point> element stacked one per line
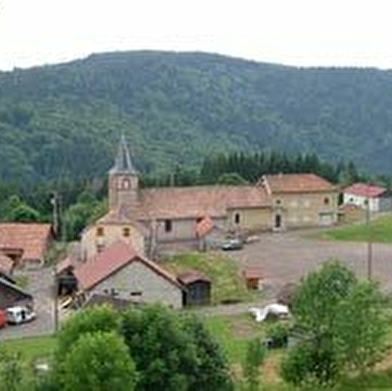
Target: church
<point>151,218</point>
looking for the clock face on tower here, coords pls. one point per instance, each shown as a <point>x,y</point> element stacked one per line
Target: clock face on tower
<point>123,184</point>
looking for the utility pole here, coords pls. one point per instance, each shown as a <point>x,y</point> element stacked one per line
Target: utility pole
<point>369,239</point>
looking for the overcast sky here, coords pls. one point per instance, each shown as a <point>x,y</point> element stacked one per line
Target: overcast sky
<point>292,32</point>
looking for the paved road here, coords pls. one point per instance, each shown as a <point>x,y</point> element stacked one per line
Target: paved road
<point>40,285</point>
<point>284,257</point>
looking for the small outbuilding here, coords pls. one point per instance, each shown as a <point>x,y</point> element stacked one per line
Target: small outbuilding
<point>253,277</point>
<point>11,295</point>
<point>67,284</point>
<point>197,288</point>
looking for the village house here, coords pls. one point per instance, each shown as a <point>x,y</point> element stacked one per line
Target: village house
<point>300,200</point>
<point>376,198</point>
<point>25,244</point>
<point>148,219</point>
<point>119,271</point>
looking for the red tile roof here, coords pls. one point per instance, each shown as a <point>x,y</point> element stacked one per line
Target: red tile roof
<point>365,190</point>
<point>198,201</point>
<point>32,238</point>
<point>112,259</point>
<point>296,183</point>
<point>204,226</point>
<point>253,273</point>
<point>6,263</point>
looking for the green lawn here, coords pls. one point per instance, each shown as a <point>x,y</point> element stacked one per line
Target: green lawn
<point>32,348</point>
<point>379,231</point>
<point>233,334</point>
<point>227,281</point>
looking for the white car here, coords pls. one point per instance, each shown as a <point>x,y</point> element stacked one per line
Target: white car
<point>19,314</point>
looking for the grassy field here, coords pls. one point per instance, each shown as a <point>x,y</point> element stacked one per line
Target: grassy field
<point>379,230</point>
<point>228,285</point>
<point>32,349</point>
<point>233,334</point>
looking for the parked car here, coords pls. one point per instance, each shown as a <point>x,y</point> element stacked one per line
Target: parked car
<point>19,314</point>
<point>232,244</point>
<point>3,320</point>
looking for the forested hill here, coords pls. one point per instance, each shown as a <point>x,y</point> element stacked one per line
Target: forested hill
<point>176,108</point>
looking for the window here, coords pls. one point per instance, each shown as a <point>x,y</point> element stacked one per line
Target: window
<point>125,184</point>
<point>168,226</point>
<point>100,247</point>
<point>278,202</point>
<point>100,231</point>
<point>326,201</point>
<point>113,292</point>
<point>126,232</point>
<point>237,218</point>
<point>136,293</point>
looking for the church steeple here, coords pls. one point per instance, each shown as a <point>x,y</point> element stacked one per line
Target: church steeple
<point>123,163</point>
<point>123,179</point>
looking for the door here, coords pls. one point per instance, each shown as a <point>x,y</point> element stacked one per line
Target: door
<point>278,221</point>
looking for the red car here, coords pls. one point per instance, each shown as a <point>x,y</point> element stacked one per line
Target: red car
<point>3,319</point>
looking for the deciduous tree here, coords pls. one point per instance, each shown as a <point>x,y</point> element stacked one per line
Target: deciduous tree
<point>342,324</point>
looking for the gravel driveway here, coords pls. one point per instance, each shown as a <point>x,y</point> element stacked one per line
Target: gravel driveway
<point>287,256</point>
<point>40,285</point>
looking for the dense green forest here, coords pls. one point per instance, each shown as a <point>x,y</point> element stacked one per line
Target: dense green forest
<point>63,121</point>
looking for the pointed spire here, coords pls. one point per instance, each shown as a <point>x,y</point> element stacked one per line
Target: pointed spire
<point>123,163</point>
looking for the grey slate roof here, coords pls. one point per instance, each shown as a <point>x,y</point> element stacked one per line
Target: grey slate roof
<point>123,163</point>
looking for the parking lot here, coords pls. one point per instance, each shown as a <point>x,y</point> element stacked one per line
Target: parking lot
<point>287,256</point>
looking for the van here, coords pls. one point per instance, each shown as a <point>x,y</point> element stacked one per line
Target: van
<point>19,314</point>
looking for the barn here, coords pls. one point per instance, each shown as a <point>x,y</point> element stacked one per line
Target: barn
<point>197,288</point>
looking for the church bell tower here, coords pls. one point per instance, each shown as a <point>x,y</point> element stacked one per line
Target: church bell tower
<point>123,179</point>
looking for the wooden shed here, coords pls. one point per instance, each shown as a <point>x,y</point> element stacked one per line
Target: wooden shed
<point>11,294</point>
<point>67,283</point>
<point>253,277</point>
<point>197,288</point>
